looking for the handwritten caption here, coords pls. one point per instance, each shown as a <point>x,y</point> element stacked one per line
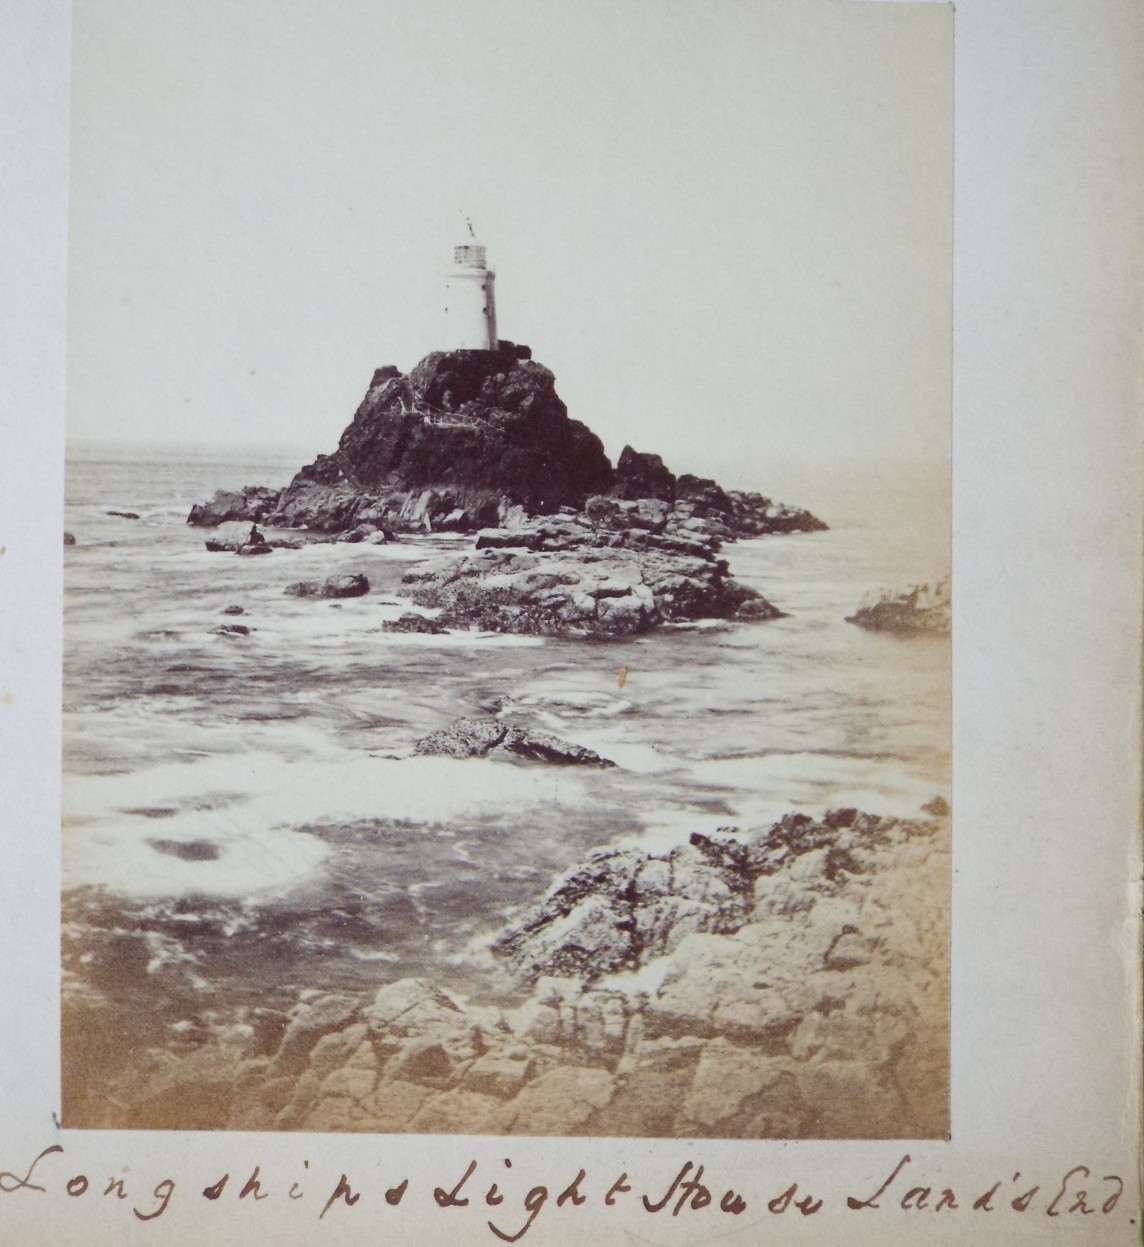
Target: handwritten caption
<point>509,1214</point>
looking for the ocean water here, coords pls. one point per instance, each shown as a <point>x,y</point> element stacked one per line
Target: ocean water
<point>243,817</point>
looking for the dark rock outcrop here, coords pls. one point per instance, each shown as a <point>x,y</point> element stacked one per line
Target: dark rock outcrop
<point>446,445</point>
<point>410,621</point>
<point>487,737</point>
<point>238,537</point>
<point>642,476</point>
<point>252,505</point>
<point>125,515</point>
<point>353,585</point>
<point>69,539</point>
<point>462,441</point>
<point>920,609</point>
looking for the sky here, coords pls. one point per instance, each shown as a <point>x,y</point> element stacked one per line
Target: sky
<point>725,226</point>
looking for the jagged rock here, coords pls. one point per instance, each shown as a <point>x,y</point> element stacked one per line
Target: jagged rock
<point>252,505</point>
<point>310,1023</point>
<point>348,586</point>
<point>467,428</point>
<point>464,440</point>
<point>704,495</point>
<point>624,907</point>
<point>609,573</point>
<point>410,621</point>
<point>410,1006</point>
<point>486,737</point>
<point>920,608</point>
<point>642,476</point>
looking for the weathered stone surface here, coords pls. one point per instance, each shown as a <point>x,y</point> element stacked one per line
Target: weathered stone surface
<point>251,505</point>
<point>620,570</point>
<point>459,1111</point>
<point>445,445</point>
<point>500,1074</point>
<point>235,537</point>
<point>485,737</point>
<point>395,1104</point>
<point>642,476</point>
<point>788,982</point>
<point>624,907</point>
<point>923,608</point>
<point>348,586</point>
<point>410,621</point>
<point>334,1049</point>
<point>561,1102</point>
<point>313,1020</point>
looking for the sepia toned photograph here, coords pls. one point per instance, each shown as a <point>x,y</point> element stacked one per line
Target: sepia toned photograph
<point>507,657</point>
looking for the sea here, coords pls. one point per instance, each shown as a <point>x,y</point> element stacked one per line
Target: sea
<point>245,822</point>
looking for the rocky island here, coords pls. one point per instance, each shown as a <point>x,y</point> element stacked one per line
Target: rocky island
<point>565,543</point>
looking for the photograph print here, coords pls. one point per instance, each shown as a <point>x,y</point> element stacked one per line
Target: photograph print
<point>507,683</point>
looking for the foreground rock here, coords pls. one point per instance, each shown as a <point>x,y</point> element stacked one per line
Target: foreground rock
<point>921,608</point>
<point>786,983</point>
<point>462,440</point>
<point>487,737</point>
<point>620,568</point>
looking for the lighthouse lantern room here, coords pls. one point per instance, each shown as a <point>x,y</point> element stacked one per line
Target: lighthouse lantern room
<point>470,308</point>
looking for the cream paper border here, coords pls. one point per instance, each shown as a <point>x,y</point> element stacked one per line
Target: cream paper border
<point>1047,516</point>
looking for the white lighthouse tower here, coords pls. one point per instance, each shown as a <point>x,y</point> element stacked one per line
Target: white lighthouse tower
<point>470,308</point>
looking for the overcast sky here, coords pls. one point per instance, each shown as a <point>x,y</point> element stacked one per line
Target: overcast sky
<point>725,225</point>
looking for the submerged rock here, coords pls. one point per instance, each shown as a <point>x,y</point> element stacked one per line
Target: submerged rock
<point>485,737</point>
<point>125,515</point>
<point>410,621</point>
<point>918,609</point>
<point>348,586</point>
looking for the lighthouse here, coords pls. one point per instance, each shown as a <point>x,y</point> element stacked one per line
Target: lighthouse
<point>470,308</point>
